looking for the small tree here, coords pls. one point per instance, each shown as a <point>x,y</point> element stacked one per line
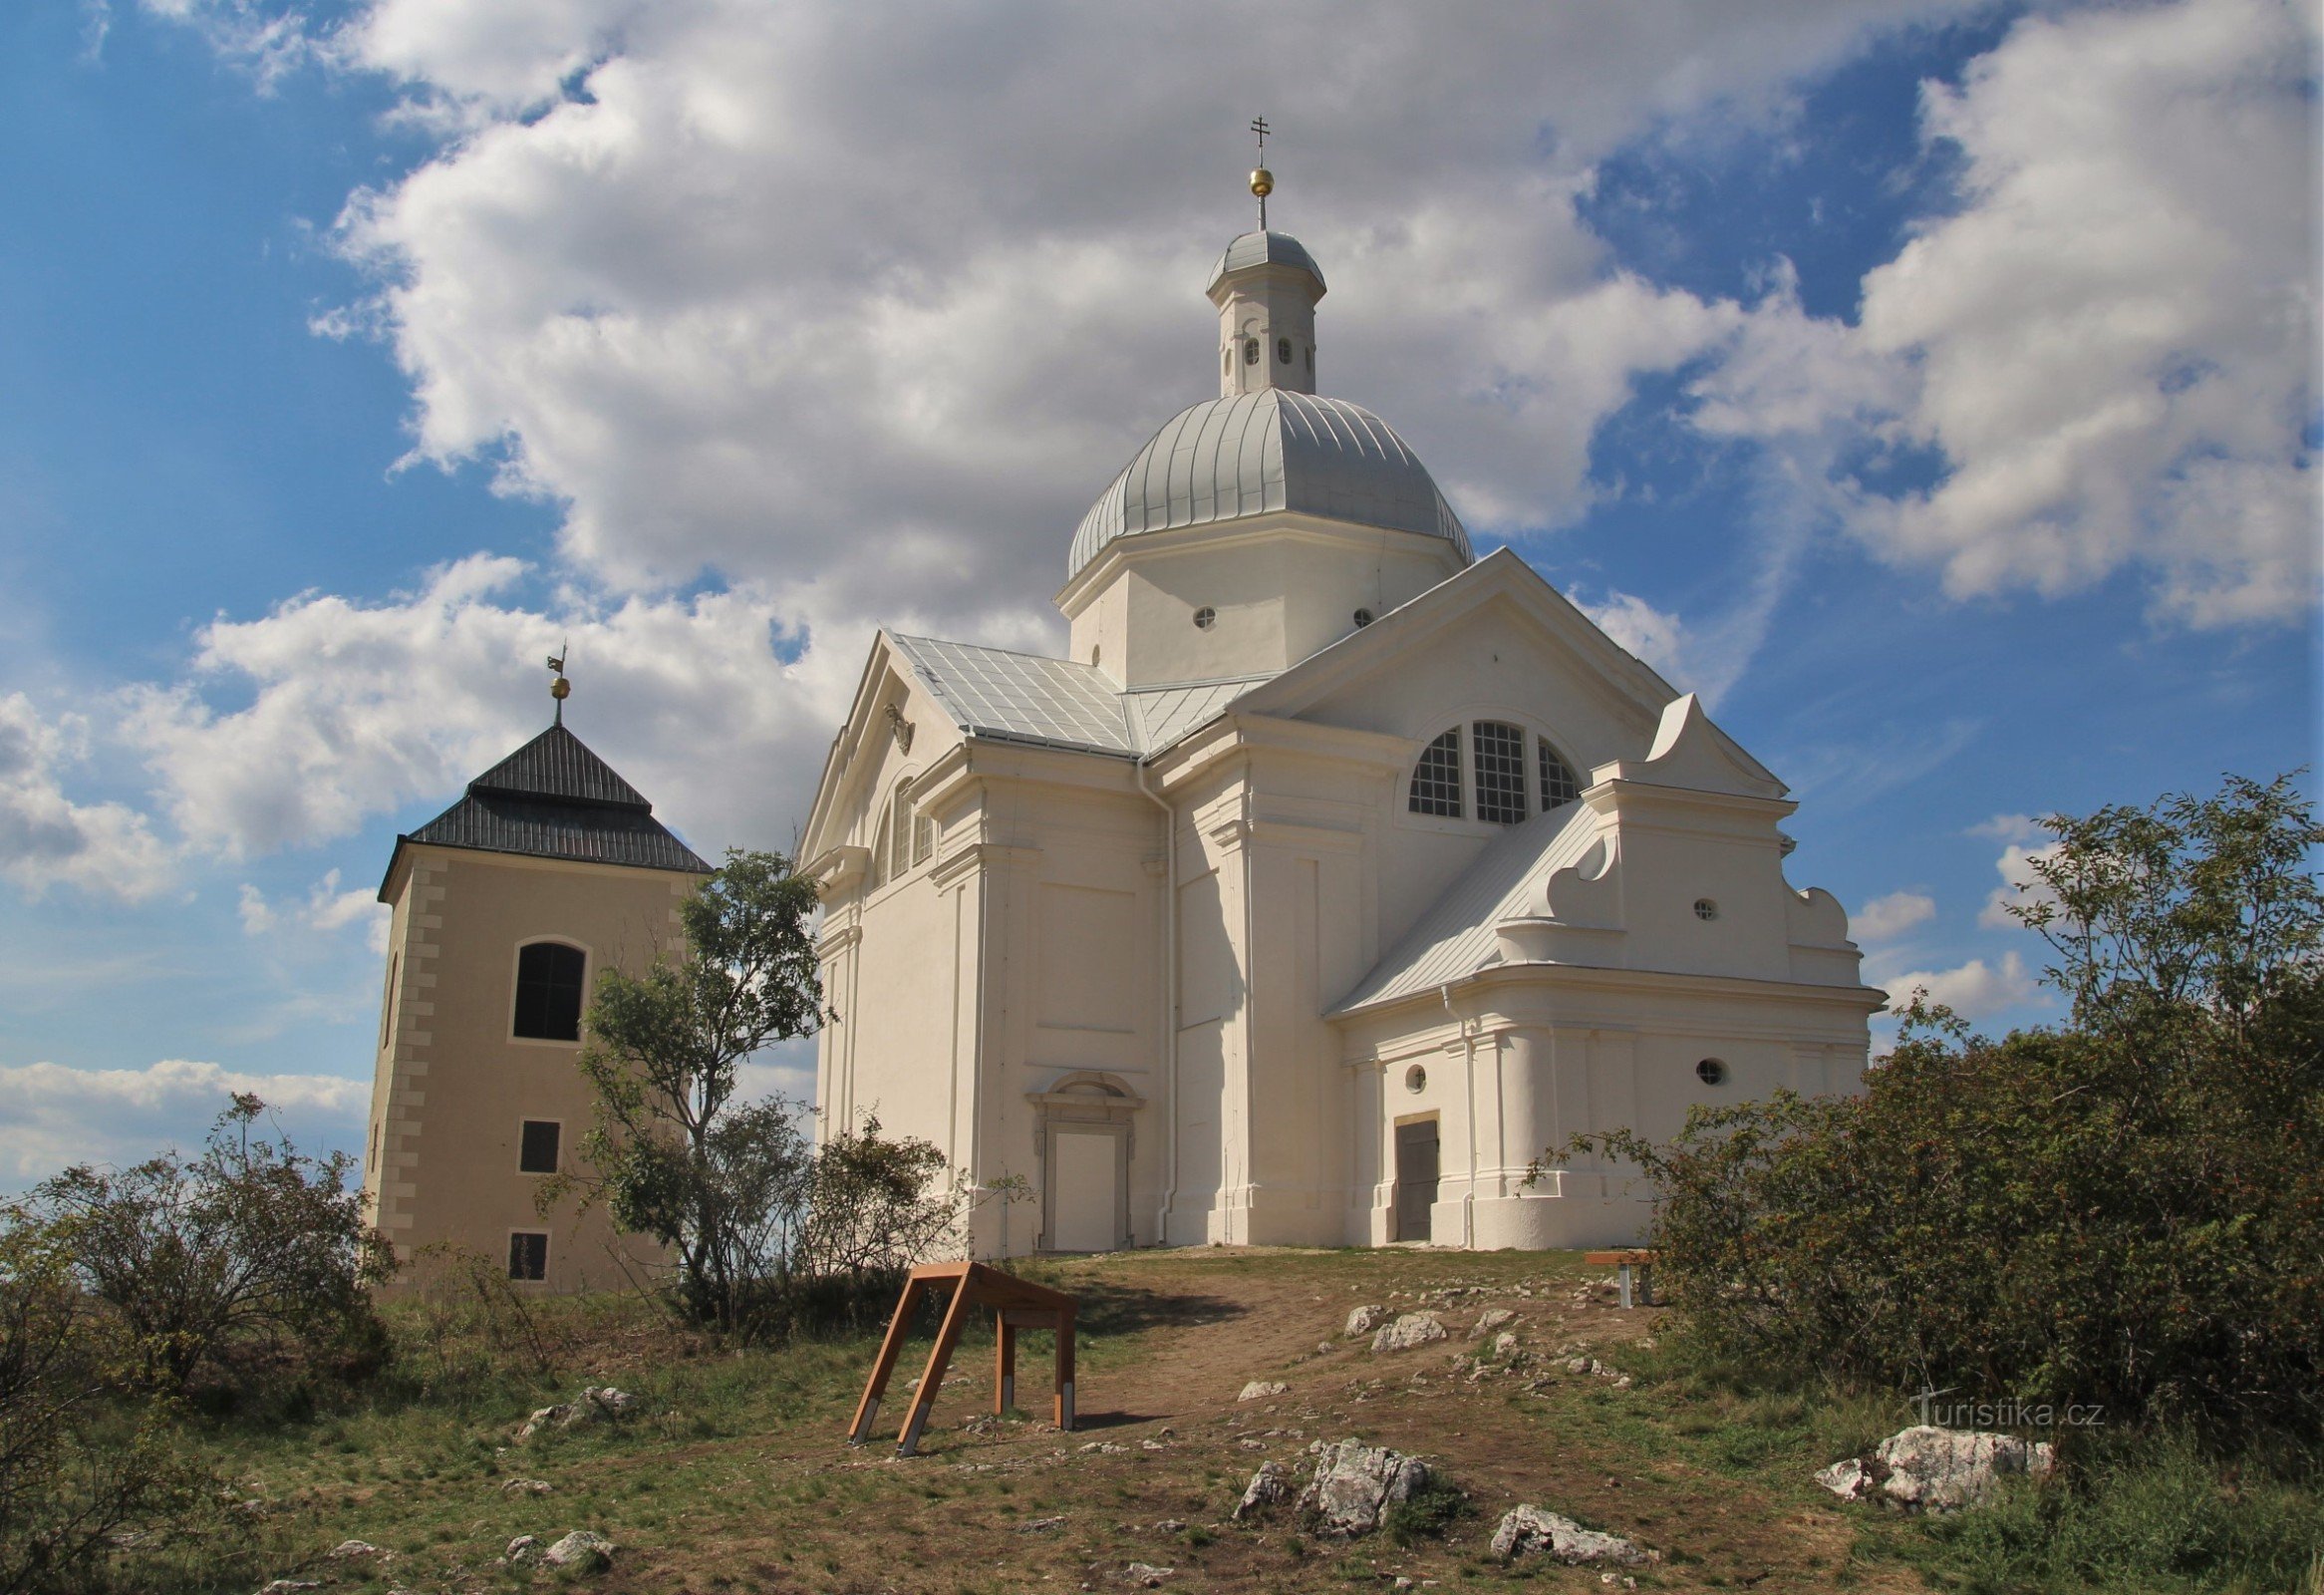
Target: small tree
<point>673,1155</point>
<point>252,1246</point>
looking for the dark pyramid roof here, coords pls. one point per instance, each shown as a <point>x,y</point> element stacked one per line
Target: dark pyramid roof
<point>555,798</point>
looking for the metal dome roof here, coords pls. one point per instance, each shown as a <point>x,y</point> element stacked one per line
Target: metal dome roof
<point>1272,450</point>
<point>1267,248</point>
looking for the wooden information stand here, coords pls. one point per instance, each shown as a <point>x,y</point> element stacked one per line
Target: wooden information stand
<point>1017,1304</point>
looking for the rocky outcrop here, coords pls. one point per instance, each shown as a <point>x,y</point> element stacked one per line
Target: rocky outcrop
<point>1356,1485</point>
<point>1364,1320</point>
<point>1532,1531</point>
<point>1414,1329</point>
<point>580,1551</point>
<point>1493,1318</point>
<point>596,1403</point>
<point>1928,1468</point>
<point>1260,1390</point>
<point>1270,1487</point>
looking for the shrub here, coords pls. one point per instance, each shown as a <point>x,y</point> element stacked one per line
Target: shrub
<point>2120,1213</point>
<point>212,1266</point>
<point>79,1464</point>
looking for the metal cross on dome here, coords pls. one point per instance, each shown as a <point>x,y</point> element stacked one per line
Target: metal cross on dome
<point>1262,179</point>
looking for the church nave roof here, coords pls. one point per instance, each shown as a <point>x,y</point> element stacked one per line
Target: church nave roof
<point>990,692</point>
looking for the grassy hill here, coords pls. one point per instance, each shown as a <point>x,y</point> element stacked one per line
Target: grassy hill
<point>732,1473</point>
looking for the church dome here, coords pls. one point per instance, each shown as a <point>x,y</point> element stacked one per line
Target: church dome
<point>1267,249</point>
<point>1248,453</point>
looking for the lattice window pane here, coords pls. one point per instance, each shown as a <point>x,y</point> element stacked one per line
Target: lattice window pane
<point>1558,783</point>
<point>1497,754</point>
<point>1436,779</point>
<point>923,837</point>
<point>879,855</point>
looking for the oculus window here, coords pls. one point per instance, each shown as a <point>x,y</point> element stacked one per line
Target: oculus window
<point>528,1254</point>
<point>548,991</point>
<point>536,1148</point>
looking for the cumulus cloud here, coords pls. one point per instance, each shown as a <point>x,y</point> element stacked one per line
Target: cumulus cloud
<point>2025,840</point>
<point>51,1115</point>
<point>327,909</point>
<point>1972,990</point>
<point>2109,343</point>
<point>350,709</point>
<point>1887,918</point>
<point>46,839</point>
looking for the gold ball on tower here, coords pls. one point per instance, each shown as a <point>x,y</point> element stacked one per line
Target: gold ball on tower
<point>1263,183</point>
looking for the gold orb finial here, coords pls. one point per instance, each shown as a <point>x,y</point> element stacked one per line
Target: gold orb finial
<point>1262,183</point>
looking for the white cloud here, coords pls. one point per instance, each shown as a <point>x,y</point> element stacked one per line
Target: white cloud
<point>2025,840</point>
<point>48,839</point>
<point>327,908</point>
<point>352,710</point>
<point>2110,343</point>
<point>1887,918</point>
<point>51,1115</point>
<point>1972,990</point>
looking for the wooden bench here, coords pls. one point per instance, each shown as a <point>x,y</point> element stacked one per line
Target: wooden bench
<point>1017,1304</point>
<point>1634,1266</point>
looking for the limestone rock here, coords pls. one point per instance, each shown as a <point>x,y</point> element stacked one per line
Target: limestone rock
<point>1493,1318</point>
<point>1145,1575</point>
<point>613,1402</point>
<point>1259,1390</point>
<point>1270,1487</point>
<point>347,1550</point>
<point>1355,1484</point>
<point>289,1586</point>
<point>1414,1329</point>
<point>581,1551</point>
<point>1528,1531</point>
<point>522,1548</point>
<point>1928,1468</point>
<point>1364,1320</point>
<point>1505,1344</point>
<point>526,1486</point>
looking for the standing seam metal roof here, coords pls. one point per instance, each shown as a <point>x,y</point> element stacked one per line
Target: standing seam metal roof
<point>1267,248</point>
<point>1248,453</point>
<point>992,692</point>
<point>1456,937</point>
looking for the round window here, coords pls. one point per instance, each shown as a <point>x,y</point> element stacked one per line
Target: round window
<point>1711,1072</point>
<point>1205,618</point>
<point>1415,1079</point>
<point>1704,908</point>
<point>1363,617</point>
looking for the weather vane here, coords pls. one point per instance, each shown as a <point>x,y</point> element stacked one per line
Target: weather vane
<point>1262,179</point>
<point>560,689</point>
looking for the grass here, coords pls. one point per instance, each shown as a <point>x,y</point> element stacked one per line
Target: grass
<point>733,1475</point>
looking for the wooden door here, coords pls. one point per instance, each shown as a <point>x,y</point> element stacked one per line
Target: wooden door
<point>1416,1169</point>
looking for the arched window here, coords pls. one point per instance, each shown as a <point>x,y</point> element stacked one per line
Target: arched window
<point>923,837</point>
<point>548,991</point>
<point>879,853</point>
<point>1436,779</point>
<point>1558,784</point>
<point>1282,351</point>
<point>900,831</point>
<point>1496,754</point>
<point>1251,351</point>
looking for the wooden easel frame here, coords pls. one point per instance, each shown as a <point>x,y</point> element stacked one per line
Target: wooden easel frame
<point>1017,1304</point>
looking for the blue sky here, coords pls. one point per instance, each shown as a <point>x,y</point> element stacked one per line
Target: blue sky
<point>1931,385</point>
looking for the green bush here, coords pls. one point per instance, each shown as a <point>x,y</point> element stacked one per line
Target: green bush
<point>2124,1214</point>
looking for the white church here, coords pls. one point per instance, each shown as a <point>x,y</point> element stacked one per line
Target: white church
<point>1333,876</point>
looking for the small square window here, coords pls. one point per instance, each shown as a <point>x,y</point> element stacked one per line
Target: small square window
<point>528,1254</point>
<point>536,1151</point>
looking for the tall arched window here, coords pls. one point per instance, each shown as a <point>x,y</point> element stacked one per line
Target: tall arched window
<point>899,830</point>
<point>1558,784</point>
<point>548,991</point>
<point>879,853</point>
<point>1436,779</point>
<point>1496,754</point>
<point>923,837</point>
